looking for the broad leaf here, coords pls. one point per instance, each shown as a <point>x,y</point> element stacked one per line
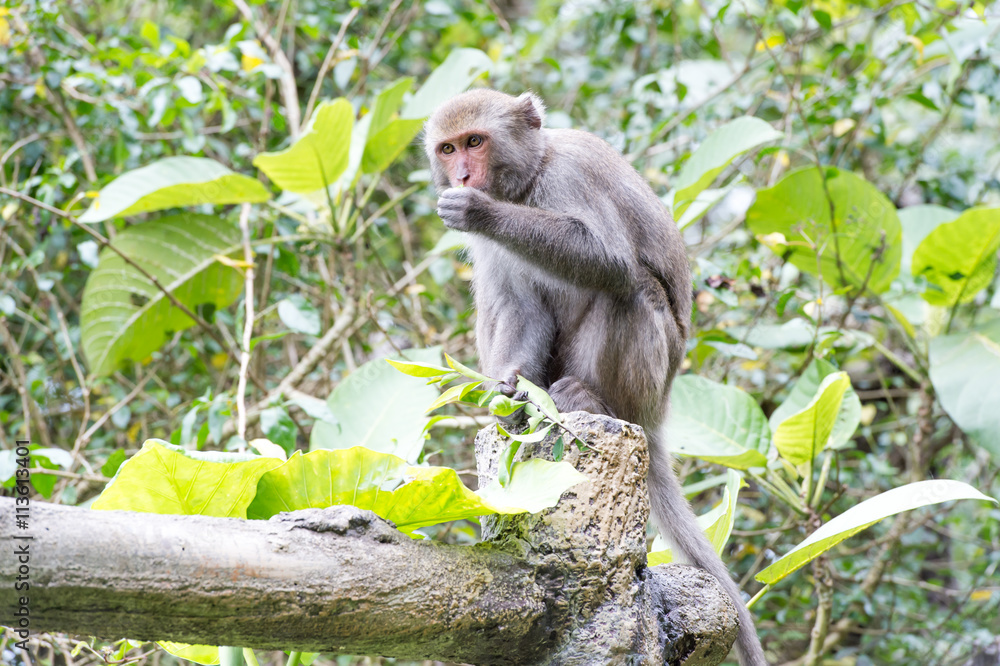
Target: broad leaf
<point>964,370</point>
<point>319,156</point>
<point>199,654</point>
<point>959,258</point>
<point>379,408</point>
<point>124,316</point>
<point>800,436</point>
<point>455,74</point>
<point>864,515</point>
<point>917,222</point>
<point>427,495</point>
<point>866,224</point>
<point>387,137</point>
<point>715,153</point>
<point>162,478</point>
<point>173,182</point>
<point>803,392</point>
<point>717,423</point>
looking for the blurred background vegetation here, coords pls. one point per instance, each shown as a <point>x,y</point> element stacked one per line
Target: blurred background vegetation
<point>903,94</point>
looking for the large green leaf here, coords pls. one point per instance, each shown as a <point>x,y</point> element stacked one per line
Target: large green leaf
<point>173,182</point>
<point>380,408</point>
<point>802,394</point>
<point>717,423</point>
<point>800,436</point>
<point>319,156</point>
<point>867,227</point>
<point>455,74</point>
<point>959,258</point>
<point>717,523</point>
<point>162,478</point>
<point>864,515</point>
<point>965,371</point>
<point>428,495</point>
<point>715,153</point>
<point>124,316</point>
<point>387,137</point>
<point>917,222</point>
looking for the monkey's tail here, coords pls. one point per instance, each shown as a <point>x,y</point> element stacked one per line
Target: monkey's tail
<point>675,520</point>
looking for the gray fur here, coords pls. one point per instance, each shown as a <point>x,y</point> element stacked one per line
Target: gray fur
<point>582,285</point>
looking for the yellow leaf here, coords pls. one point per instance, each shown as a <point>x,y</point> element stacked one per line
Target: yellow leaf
<point>772,41</point>
<point>918,44</point>
<point>4,30</point>
<point>219,360</point>
<point>843,126</point>
<point>133,432</point>
<point>249,63</point>
<point>981,595</point>
<point>868,413</point>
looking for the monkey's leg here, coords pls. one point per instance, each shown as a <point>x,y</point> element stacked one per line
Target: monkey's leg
<point>571,394</point>
<point>676,521</point>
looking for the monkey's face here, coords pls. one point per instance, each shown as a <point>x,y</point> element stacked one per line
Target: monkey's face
<point>465,159</point>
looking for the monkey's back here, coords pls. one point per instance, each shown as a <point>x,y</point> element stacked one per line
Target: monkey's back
<point>580,165</point>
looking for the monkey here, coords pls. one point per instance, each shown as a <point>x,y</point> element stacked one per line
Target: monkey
<point>581,283</point>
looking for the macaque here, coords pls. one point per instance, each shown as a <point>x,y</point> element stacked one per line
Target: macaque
<point>581,283</point>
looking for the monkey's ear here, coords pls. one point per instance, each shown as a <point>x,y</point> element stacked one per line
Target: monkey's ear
<point>533,109</point>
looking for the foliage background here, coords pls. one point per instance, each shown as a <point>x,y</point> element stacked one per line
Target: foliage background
<point>904,94</point>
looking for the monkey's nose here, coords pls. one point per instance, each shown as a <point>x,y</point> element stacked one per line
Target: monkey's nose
<point>465,180</point>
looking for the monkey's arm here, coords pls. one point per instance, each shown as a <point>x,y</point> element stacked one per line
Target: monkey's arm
<point>568,246</point>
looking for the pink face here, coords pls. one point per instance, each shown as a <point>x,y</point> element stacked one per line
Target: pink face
<point>466,159</point>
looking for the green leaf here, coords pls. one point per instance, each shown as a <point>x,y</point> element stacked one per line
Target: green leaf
<point>428,495</point>
<point>455,74</point>
<point>694,209</point>
<point>864,515</point>
<point>414,369</point>
<point>865,220</point>
<point>917,222</point>
<point>173,182</point>
<point>387,103</point>
<point>453,394</point>
<point>717,423</point>
<point>319,156</point>
<point>299,315</point>
<point>501,405</point>
<point>199,654</point>
<point>717,152</point>
<point>124,316</point>
<point>959,258</point>
<point>535,485</point>
<point>115,460</point>
<point>802,394</point>
<point>964,371</point>
<point>162,478</point>
<point>379,408</point>
<point>717,523</point>
<point>539,397</point>
<point>800,436</point>
<point>465,370</point>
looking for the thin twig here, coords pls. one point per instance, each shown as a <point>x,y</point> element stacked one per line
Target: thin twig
<point>328,62</point>
<point>241,390</point>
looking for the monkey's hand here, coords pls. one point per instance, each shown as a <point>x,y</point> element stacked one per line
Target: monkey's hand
<point>509,388</point>
<point>462,208</point>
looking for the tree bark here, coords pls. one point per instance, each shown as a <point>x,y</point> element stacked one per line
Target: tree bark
<point>567,586</point>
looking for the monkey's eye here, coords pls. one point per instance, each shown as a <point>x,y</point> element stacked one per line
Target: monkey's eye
<point>447,149</point>
<point>475,140</point>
